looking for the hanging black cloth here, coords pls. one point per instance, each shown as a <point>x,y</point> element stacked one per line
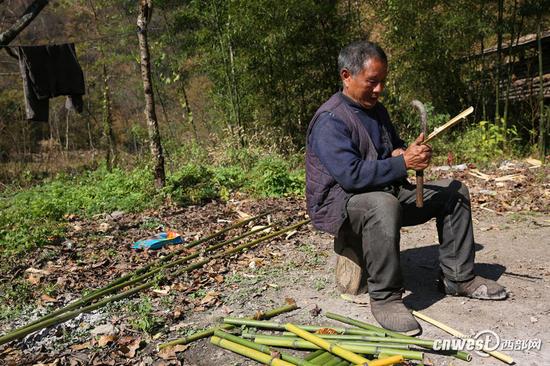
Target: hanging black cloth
<point>48,72</point>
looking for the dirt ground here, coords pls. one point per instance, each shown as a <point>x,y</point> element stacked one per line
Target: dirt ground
<point>512,246</point>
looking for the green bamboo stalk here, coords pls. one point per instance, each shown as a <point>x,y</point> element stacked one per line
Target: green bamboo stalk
<point>262,348</point>
<point>208,332</point>
<point>248,352</point>
<point>335,360</point>
<point>343,363</point>
<point>127,280</point>
<point>350,346</point>
<point>351,337</point>
<point>461,355</point>
<point>267,338</point>
<point>278,326</point>
<point>321,359</point>
<point>314,354</point>
<point>21,332</point>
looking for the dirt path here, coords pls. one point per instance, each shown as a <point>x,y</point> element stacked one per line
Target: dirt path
<point>511,248</point>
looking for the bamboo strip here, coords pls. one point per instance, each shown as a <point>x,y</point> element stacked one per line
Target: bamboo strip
<point>498,355</point>
<point>21,332</point>
<point>261,348</point>
<point>453,121</point>
<point>332,348</point>
<point>322,358</point>
<point>208,332</point>
<point>249,352</point>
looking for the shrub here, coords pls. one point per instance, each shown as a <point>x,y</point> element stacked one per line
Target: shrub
<point>272,177</point>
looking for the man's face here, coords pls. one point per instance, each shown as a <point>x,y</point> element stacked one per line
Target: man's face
<point>366,86</point>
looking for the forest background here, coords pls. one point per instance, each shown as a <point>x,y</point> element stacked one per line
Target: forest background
<point>235,84</point>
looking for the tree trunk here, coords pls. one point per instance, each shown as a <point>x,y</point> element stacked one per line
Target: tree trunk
<point>24,20</point>
<point>542,121</point>
<point>145,12</point>
<point>499,60</point>
<point>108,136</point>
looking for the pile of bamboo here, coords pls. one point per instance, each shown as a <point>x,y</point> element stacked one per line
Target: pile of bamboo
<point>360,344</point>
<point>150,275</point>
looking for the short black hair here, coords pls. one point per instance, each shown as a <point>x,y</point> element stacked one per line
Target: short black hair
<point>355,55</point>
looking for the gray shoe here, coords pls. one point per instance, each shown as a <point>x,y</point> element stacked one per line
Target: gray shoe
<point>392,315</point>
<point>476,288</point>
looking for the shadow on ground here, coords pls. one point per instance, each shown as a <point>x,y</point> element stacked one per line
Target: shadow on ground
<point>421,272</point>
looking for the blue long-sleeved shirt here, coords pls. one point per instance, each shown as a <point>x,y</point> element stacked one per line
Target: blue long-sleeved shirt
<point>331,142</point>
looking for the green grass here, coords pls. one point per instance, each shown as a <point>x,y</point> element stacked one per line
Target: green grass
<point>36,216</point>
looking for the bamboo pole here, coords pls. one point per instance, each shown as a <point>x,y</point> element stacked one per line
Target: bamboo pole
<point>461,355</point>
<point>332,348</point>
<point>21,332</point>
<point>127,279</point>
<point>334,361</point>
<point>322,358</point>
<point>357,347</point>
<point>208,332</point>
<point>498,355</point>
<point>261,348</point>
<point>352,337</point>
<point>262,338</point>
<point>309,328</point>
<point>314,354</point>
<point>249,352</point>
<point>391,360</point>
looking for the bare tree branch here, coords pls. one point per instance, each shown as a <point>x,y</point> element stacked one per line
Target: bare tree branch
<point>24,20</point>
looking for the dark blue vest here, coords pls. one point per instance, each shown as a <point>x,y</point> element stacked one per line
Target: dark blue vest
<point>326,199</point>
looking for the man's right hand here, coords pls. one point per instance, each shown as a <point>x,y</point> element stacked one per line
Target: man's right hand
<point>417,156</point>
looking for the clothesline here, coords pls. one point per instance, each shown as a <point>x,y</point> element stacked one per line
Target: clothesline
<point>91,39</point>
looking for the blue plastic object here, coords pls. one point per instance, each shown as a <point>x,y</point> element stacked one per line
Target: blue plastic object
<point>158,241</point>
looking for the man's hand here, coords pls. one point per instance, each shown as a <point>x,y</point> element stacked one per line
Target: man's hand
<point>417,156</point>
<point>397,152</point>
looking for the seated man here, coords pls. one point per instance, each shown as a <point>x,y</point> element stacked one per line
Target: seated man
<point>356,189</point>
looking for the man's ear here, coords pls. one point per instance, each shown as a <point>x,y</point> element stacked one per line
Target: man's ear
<point>345,75</point>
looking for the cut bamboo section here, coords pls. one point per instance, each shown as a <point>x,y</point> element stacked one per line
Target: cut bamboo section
<point>249,352</point>
<point>332,348</point>
<point>262,348</point>
<point>208,332</point>
<point>498,355</point>
<point>391,360</point>
<point>453,121</point>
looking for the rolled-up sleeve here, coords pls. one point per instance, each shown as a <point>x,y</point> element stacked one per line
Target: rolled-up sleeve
<point>331,142</point>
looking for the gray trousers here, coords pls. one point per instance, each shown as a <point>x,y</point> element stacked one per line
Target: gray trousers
<point>373,226</point>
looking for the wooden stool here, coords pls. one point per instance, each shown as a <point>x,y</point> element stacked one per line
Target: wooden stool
<point>351,276</point>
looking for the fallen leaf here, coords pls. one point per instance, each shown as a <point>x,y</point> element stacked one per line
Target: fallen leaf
<point>34,279</point>
<point>129,346</point>
<point>106,339</point>
<point>219,278</point>
<point>326,331</point>
<point>169,353</point>
<point>79,347</point>
<point>47,298</point>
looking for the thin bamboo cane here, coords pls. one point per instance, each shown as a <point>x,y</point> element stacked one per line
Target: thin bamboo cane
<point>21,332</point>
<point>261,348</point>
<point>335,360</point>
<point>461,355</point>
<point>321,359</point>
<point>343,363</point>
<point>208,332</point>
<point>361,334</point>
<point>314,354</point>
<point>248,352</point>
<point>391,360</point>
<point>332,348</point>
<point>261,337</point>
<point>357,347</point>
<point>279,326</point>
<point>126,280</point>
<point>498,355</point>
<point>352,337</point>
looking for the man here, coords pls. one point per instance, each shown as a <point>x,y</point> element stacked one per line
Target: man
<point>356,189</point>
